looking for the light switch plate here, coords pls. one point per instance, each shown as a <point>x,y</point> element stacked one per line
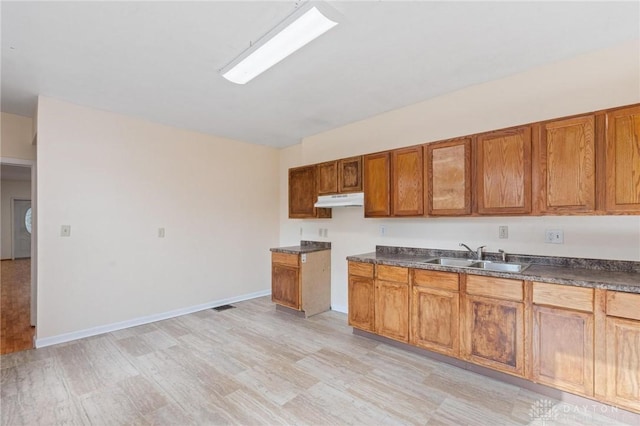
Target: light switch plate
<point>503,232</point>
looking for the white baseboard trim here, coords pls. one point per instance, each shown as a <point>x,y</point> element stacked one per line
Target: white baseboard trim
<point>75,335</point>
<point>339,308</point>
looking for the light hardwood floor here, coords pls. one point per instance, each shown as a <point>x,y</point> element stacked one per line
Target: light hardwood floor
<point>255,366</point>
<point>16,333</point>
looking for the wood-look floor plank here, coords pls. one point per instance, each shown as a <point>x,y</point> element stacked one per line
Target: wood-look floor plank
<point>16,333</point>
<point>253,365</point>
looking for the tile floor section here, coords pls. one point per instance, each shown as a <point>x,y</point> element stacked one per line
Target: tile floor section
<point>255,366</point>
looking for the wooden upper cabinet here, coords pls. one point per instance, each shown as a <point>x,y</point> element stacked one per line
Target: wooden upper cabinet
<point>350,174</point>
<point>303,194</point>
<point>377,174</point>
<point>622,152</point>
<point>327,178</point>
<point>504,171</point>
<point>407,178</point>
<point>448,178</point>
<point>565,176</point>
<point>340,176</point>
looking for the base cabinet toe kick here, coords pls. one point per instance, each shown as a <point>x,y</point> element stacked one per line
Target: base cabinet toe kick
<point>585,341</point>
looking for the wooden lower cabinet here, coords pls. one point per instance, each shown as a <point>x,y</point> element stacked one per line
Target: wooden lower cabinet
<point>435,318</point>
<point>392,302</point>
<point>574,339</point>
<point>623,350</point>
<point>302,281</point>
<point>285,280</point>
<point>361,296</point>
<point>563,349</point>
<point>563,337</point>
<point>493,326</point>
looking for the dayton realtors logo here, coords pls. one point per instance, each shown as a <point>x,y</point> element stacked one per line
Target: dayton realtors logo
<point>543,410</point>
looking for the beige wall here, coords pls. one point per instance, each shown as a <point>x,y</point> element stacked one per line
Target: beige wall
<point>11,189</point>
<point>593,81</point>
<point>17,137</point>
<point>116,180</point>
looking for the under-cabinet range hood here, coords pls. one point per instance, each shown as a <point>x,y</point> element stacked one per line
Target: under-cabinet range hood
<point>340,200</point>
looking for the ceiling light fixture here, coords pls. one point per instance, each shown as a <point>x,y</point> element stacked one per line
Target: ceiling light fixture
<point>303,26</point>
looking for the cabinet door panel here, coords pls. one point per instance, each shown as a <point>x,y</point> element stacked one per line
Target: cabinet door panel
<point>504,172</point>
<point>567,166</point>
<point>361,303</point>
<point>376,185</point>
<point>327,178</point>
<point>303,194</point>
<point>448,166</point>
<point>407,182</point>
<point>302,190</point>
<point>392,310</point>
<point>495,333</point>
<point>623,362</point>
<point>623,161</point>
<point>285,286</point>
<point>435,320</point>
<point>563,349</point>
<point>350,174</point>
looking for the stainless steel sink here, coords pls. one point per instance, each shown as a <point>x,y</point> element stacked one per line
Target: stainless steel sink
<point>500,267</point>
<point>449,261</point>
<point>478,264</point>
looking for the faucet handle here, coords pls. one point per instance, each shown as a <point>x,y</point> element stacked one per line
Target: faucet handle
<point>504,254</point>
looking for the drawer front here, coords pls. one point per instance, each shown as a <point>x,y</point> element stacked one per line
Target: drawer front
<point>435,279</point>
<point>284,259</point>
<point>623,305</point>
<point>563,296</point>
<point>361,269</point>
<point>499,288</point>
<point>392,273</point>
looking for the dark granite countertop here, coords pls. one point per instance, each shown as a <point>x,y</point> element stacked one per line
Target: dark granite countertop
<point>593,273</point>
<point>304,247</point>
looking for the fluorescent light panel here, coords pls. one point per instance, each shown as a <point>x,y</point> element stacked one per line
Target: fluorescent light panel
<point>309,26</point>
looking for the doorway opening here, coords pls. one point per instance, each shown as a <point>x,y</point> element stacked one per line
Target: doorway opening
<point>17,283</point>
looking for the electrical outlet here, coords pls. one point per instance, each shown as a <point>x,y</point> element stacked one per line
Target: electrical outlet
<point>301,230</point>
<point>65,231</point>
<point>554,236</point>
<point>325,233</point>
<point>383,230</point>
<point>160,232</point>
<point>303,258</point>
<point>319,232</point>
<point>503,232</point>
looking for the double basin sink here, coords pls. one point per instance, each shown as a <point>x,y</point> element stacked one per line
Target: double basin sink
<point>478,264</point>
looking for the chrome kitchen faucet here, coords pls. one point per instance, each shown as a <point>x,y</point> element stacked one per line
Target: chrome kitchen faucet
<point>477,253</point>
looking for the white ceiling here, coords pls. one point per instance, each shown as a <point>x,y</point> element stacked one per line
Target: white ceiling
<point>160,60</point>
